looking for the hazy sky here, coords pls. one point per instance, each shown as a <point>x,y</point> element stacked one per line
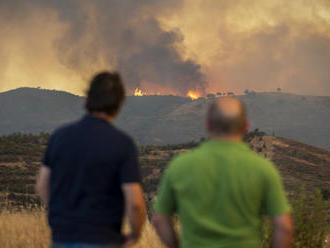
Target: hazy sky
<point>167,46</point>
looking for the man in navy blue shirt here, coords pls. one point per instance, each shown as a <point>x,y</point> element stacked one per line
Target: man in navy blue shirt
<point>90,176</point>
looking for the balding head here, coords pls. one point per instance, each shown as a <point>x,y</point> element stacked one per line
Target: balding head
<point>227,117</point>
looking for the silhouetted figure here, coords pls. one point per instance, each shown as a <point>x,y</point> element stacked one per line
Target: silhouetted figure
<point>90,174</point>
<point>221,190</point>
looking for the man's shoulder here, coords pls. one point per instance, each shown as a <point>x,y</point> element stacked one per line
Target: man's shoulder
<point>119,138</point>
<point>261,165</point>
<point>109,132</point>
<point>257,159</point>
<point>123,135</point>
<point>184,160</point>
<point>63,129</point>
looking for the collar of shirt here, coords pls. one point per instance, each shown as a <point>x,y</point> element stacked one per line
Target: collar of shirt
<point>226,144</point>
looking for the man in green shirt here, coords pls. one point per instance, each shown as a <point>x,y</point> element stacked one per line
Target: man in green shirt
<point>222,189</point>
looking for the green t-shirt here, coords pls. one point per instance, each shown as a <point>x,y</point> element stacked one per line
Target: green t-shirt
<point>220,192</point>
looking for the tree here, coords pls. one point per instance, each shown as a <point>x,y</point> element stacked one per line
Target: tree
<point>252,93</point>
<point>279,89</point>
<point>246,92</point>
<point>210,95</point>
<point>230,94</point>
<point>219,94</point>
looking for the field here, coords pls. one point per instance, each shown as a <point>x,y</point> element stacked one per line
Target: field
<point>30,229</point>
<point>22,218</point>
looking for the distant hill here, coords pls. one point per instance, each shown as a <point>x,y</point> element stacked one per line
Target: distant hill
<point>302,118</point>
<point>35,110</point>
<point>170,119</point>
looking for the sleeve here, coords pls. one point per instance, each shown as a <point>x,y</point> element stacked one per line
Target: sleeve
<point>130,169</point>
<point>275,201</point>
<point>165,201</point>
<point>46,160</point>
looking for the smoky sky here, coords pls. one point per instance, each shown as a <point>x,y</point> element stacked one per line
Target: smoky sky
<point>119,35</point>
<point>260,44</point>
<point>167,46</point>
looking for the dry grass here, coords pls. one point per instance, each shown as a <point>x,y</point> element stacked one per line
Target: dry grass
<point>23,230</point>
<point>30,229</point>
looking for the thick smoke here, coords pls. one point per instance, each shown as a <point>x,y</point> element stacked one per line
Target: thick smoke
<point>260,44</point>
<point>61,43</point>
<point>168,46</point>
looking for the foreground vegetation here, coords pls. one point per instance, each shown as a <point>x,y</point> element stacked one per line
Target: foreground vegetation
<point>23,222</point>
<point>310,219</point>
<point>29,228</point>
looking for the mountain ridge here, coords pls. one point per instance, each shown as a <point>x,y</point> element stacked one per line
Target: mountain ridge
<point>163,120</point>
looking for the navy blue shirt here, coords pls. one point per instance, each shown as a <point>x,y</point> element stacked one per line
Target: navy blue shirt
<point>89,161</point>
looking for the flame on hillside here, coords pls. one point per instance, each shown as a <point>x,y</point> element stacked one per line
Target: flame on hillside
<point>193,94</point>
<point>139,92</point>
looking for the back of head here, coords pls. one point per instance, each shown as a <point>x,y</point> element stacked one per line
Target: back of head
<point>106,94</point>
<point>227,117</point>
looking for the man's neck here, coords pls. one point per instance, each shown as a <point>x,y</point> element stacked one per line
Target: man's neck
<point>104,116</point>
<point>232,138</point>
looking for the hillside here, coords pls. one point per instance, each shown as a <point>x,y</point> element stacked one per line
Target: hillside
<point>34,110</point>
<point>22,217</point>
<point>299,164</point>
<point>163,120</point>
<point>302,118</point>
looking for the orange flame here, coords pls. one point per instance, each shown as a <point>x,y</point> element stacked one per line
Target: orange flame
<point>139,92</point>
<point>193,94</point>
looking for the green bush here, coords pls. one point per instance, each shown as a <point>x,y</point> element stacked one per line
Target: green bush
<point>310,221</point>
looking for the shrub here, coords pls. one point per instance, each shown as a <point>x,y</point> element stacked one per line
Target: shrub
<point>325,194</point>
<point>310,221</point>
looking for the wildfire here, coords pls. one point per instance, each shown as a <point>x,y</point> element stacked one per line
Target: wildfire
<point>193,94</point>
<point>139,92</point>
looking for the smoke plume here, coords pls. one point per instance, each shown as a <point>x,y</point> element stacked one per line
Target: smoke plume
<point>60,44</point>
<point>167,46</point>
<point>259,44</point>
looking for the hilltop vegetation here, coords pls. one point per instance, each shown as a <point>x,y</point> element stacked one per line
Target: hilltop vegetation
<point>161,120</point>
